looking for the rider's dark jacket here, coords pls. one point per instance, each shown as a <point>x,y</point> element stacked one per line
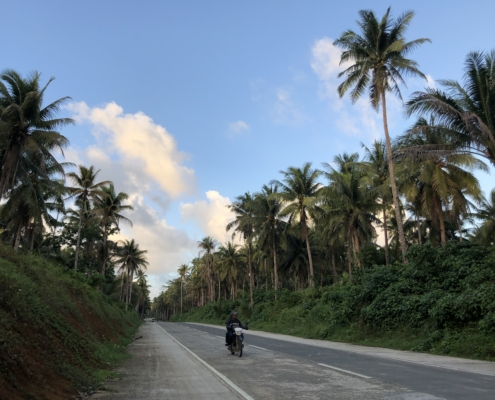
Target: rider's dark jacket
<point>232,321</point>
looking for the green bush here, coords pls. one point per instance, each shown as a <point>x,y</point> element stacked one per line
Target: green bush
<point>54,322</point>
<point>442,301</point>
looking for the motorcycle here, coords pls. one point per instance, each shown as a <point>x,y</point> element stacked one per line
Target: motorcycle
<point>238,339</point>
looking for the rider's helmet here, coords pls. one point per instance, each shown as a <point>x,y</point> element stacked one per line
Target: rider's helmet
<point>233,314</point>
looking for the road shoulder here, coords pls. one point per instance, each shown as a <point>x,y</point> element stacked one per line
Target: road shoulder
<point>160,368</point>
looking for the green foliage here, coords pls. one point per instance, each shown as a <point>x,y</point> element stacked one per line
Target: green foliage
<point>442,302</point>
<point>55,319</point>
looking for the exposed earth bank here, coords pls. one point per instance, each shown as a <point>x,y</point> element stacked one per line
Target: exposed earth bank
<point>58,335</point>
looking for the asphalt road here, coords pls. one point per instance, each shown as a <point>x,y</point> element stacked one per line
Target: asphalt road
<point>277,369</point>
<point>190,361</point>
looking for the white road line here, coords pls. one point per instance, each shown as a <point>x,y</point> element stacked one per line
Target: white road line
<point>256,347</point>
<point>346,371</point>
<point>219,374</point>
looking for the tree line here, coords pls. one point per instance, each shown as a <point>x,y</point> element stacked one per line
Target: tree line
<point>319,226</point>
<point>65,216</point>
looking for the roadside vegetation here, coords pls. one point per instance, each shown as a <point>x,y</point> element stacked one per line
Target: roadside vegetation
<point>58,335</point>
<point>392,248</point>
<point>441,302</point>
<point>65,284</point>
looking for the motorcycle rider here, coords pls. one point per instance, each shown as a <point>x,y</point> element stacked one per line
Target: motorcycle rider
<point>229,336</point>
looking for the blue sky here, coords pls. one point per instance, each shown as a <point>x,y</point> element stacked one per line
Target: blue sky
<point>177,99</point>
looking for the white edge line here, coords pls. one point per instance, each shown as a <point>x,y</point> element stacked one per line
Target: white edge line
<point>346,371</point>
<point>219,374</point>
<point>256,347</point>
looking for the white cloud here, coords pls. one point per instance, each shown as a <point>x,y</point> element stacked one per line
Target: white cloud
<point>326,64</point>
<point>357,120</point>
<point>211,215</point>
<point>284,110</point>
<point>142,159</point>
<point>430,82</point>
<point>237,129</point>
<point>135,138</point>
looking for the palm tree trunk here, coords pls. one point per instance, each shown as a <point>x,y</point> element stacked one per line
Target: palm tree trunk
<point>441,219</point>
<point>78,237</point>
<point>349,254</point>
<point>308,248</point>
<point>334,267</point>
<point>18,237</point>
<point>129,294</point>
<point>385,233</point>
<point>266,274</point>
<point>460,228</point>
<point>31,244</point>
<point>356,247</point>
<point>395,195</point>
<point>105,234</point>
<point>121,298</point>
<point>418,222</point>
<point>181,296</point>
<point>251,277</point>
<point>275,265</point>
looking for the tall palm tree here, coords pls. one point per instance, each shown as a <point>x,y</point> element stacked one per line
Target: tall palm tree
<point>132,259</point>
<point>108,207</point>
<point>375,165</point>
<point>182,271</point>
<point>231,262</point>
<point>378,57</point>
<point>444,179</point>
<point>27,126</point>
<point>463,111</point>
<point>29,202</point>
<point>298,192</point>
<point>86,189</point>
<point>207,246</point>
<point>243,224</point>
<point>485,233</point>
<point>349,203</point>
<point>268,226</point>
<point>142,290</point>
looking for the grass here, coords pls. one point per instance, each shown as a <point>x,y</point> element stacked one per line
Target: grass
<point>57,333</point>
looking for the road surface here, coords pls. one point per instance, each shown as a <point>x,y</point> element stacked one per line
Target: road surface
<point>190,361</point>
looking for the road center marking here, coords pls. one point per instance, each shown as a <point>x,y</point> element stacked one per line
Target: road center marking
<point>256,347</point>
<point>219,374</point>
<point>346,371</point>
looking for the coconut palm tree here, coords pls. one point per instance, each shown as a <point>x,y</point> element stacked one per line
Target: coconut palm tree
<point>444,179</point>
<point>465,112</point>
<point>207,246</point>
<point>108,207</point>
<point>29,202</point>
<point>231,263</point>
<point>86,189</point>
<point>182,271</point>
<point>27,126</point>
<point>375,165</point>
<point>299,195</point>
<point>142,291</point>
<point>243,224</point>
<point>485,233</point>
<point>267,223</point>
<point>132,260</point>
<point>378,57</point>
<point>348,201</point>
